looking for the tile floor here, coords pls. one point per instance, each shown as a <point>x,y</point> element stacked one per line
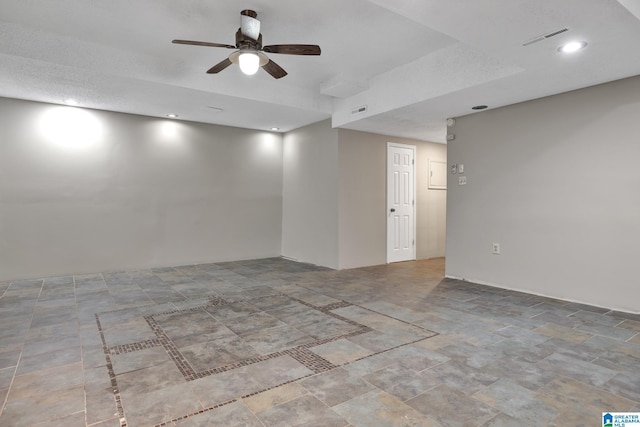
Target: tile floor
<point>277,343</point>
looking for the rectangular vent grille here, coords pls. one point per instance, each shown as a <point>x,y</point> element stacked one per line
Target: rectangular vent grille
<point>545,36</point>
<point>358,110</point>
<point>555,33</point>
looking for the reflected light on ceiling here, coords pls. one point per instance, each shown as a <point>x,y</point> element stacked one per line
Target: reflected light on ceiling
<point>73,128</point>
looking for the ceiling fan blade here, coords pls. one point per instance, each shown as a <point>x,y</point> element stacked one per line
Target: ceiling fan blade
<point>276,71</point>
<point>293,49</point>
<point>197,43</point>
<point>219,66</point>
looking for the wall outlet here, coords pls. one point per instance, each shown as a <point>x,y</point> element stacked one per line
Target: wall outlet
<point>462,180</point>
<point>496,248</point>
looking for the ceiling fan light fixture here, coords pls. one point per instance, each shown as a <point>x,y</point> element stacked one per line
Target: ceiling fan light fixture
<point>249,62</point>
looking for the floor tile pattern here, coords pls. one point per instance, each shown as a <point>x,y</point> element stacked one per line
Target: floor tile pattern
<point>273,342</point>
<point>220,324</point>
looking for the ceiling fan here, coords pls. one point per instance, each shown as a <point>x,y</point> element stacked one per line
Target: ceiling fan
<point>250,54</point>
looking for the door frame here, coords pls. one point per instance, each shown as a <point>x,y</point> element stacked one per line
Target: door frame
<point>413,148</point>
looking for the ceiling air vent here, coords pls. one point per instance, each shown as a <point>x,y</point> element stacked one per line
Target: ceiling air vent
<point>545,36</point>
<point>358,110</point>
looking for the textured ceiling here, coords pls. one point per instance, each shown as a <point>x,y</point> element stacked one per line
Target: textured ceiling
<point>411,63</point>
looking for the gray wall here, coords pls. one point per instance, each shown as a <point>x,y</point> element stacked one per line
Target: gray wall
<point>87,191</point>
<point>556,182</point>
<point>334,208</point>
<point>310,192</point>
<point>363,206</point>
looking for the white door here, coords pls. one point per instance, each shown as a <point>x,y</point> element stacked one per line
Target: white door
<point>401,207</point>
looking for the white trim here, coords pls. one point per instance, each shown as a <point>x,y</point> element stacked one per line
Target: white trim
<point>528,292</point>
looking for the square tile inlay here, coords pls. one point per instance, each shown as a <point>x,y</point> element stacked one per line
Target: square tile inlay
<point>206,340</point>
<point>270,340</point>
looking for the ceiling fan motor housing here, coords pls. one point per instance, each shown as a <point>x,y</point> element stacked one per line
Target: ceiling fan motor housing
<point>244,42</point>
<point>249,24</point>
<point>250,13</point>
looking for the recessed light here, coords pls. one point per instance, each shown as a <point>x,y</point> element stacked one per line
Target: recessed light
<point>70,101</point>
<point>172,116</point>
<point>479,107</point>
<point>572,47</point>
<point>274,128</point>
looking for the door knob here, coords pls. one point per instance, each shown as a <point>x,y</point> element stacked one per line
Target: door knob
<point>393,210</point>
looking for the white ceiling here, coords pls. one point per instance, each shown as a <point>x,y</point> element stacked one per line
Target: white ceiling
<point>412,63</point>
